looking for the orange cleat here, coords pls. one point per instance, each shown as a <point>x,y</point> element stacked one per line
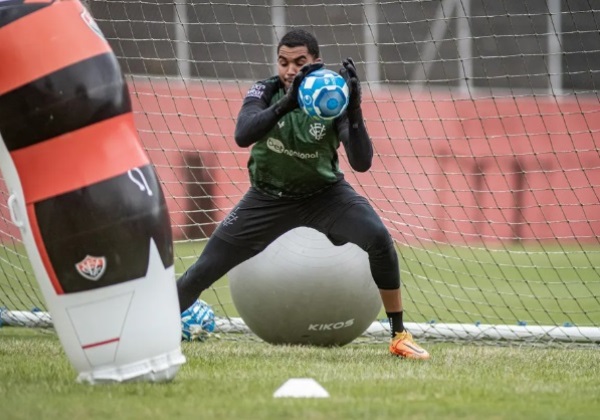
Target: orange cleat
<point>403,345</point>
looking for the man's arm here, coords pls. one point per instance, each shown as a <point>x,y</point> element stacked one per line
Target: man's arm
<point>256,117</point>
<point>356,141</point>
<point>351,126</point>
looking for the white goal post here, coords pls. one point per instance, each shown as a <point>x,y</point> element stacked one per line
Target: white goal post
<point>485,119</point>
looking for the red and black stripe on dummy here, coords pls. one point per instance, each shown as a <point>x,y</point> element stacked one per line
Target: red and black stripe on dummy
<point>66,119</point>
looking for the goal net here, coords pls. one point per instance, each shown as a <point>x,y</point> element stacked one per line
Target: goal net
<point>485,119</point>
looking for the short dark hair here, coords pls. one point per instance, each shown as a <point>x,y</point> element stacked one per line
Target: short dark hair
<point>300,38</point>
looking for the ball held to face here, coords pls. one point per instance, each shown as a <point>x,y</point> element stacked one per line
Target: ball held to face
<point>323,94</point>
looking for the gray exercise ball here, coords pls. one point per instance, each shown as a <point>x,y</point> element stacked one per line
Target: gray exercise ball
<point>302,289</point>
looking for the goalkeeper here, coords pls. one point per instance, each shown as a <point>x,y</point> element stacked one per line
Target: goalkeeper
<point>296,181</point>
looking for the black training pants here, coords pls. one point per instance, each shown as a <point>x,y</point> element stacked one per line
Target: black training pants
<point>339,212</point>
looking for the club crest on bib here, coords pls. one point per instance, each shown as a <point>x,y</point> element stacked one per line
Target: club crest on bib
<point>317,130</point>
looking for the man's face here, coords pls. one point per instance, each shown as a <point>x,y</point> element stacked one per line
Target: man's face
<point>290,61</point>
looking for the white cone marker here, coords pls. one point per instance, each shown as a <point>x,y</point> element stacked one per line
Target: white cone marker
<point>301,388</point>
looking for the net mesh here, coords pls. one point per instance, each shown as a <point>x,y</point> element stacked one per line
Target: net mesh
<point>485,120</point>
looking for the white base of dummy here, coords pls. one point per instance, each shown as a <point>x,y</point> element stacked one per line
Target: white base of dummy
<point>161,368</point>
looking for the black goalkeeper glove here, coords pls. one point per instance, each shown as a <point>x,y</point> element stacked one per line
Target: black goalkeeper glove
<point>290,101</point>
<point>348,72</point>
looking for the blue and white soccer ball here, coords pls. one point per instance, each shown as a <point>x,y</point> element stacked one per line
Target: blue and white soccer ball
<point>197,321</point>
<point>323,94</point>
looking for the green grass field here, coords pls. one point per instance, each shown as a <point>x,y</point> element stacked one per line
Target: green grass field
<point>224,379</point>
<point>550,285</point>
